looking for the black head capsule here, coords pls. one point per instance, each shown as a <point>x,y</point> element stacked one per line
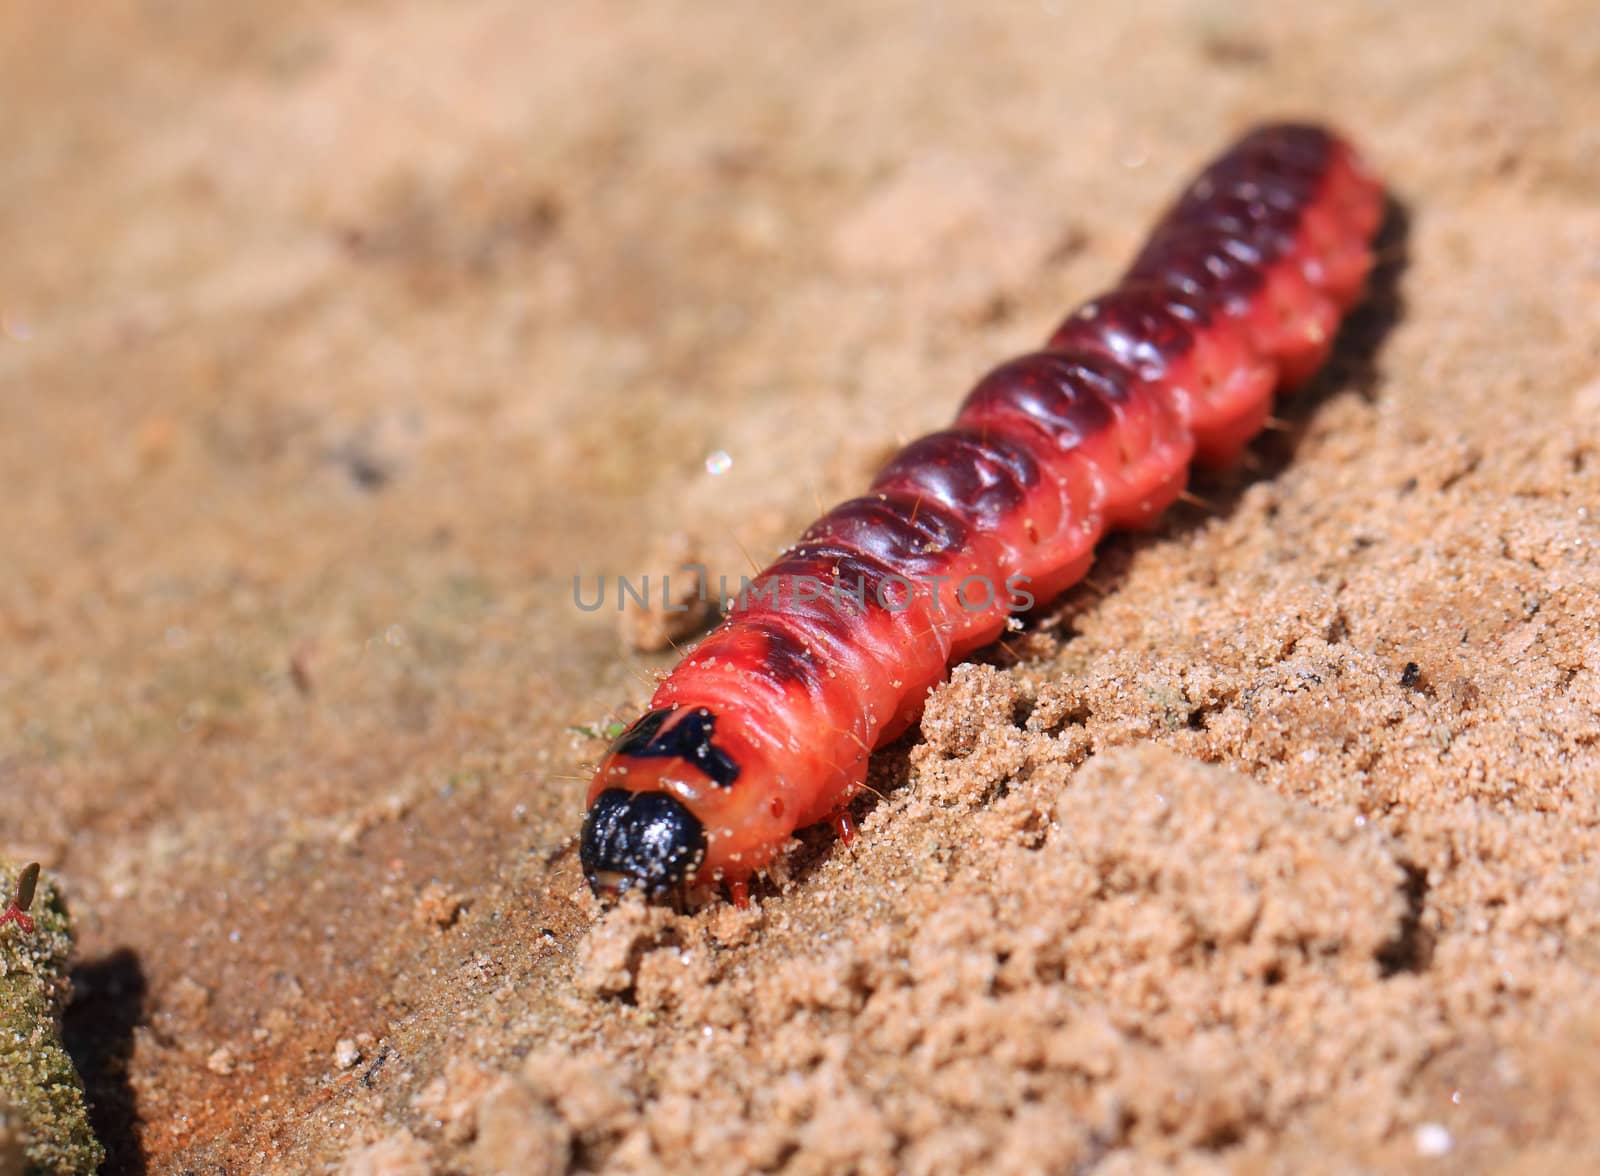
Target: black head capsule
<point>646,841</point>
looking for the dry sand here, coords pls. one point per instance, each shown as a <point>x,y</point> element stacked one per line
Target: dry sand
<point>335,339</point>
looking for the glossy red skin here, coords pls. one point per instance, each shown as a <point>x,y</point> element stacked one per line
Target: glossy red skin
<point>1238,292</point>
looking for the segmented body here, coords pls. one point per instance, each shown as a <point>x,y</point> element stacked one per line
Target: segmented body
<point>767,726</point>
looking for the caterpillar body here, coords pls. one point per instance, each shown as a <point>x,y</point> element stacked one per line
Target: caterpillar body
<point>767,725</point>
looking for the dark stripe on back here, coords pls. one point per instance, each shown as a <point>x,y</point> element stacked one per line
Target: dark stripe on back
<point>1070,395</point>
<point>980,476</point>
<point>851,575</point>
<point>785,658</point>
<point>1136,326</point>
<point>911,534</point>
<point>688,739</point>
<point>1197,261</point>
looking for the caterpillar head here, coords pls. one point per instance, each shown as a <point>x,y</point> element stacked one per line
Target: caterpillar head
<point>645,841</point>
<point>672,807</point>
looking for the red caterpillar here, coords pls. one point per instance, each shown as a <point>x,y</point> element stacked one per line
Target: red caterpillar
<point>766,727</point>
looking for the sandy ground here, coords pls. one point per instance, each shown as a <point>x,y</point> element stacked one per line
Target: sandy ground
<point>336,339</point>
